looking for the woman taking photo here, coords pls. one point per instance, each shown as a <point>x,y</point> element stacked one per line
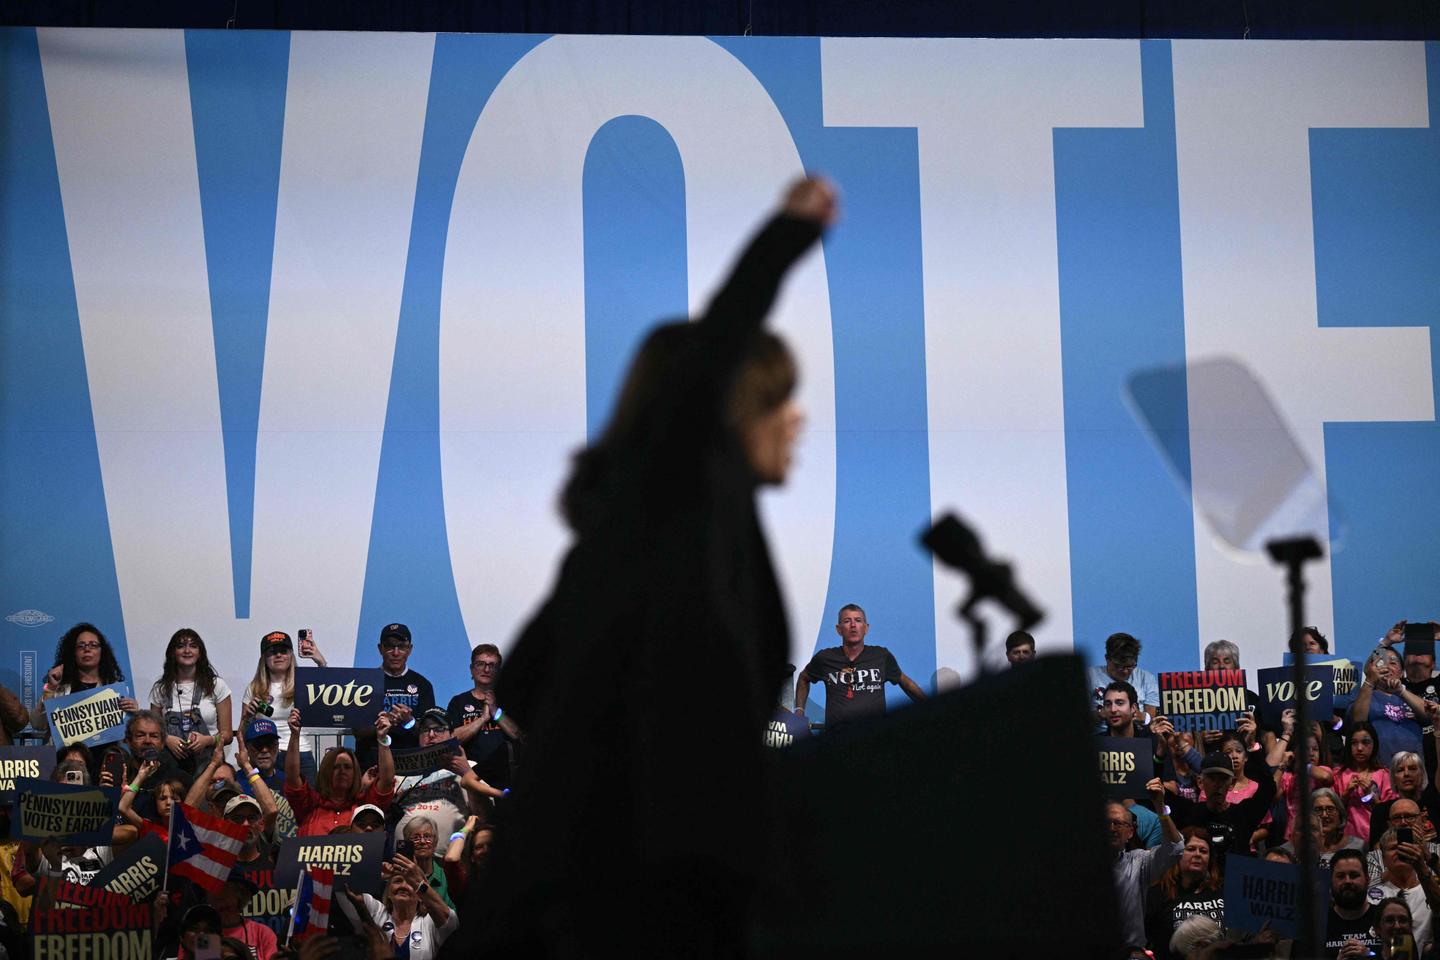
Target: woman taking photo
<point>274,687</point>
<point>668,548</point>
<point>1407,776</point>
<point>1192,886</point>
<point>193,700</point>
<point>412,916</point>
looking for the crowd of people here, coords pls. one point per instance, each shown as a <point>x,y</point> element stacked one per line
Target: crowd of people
<point>1221,794</point>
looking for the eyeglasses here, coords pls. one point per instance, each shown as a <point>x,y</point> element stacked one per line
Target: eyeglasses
<point>422,838</point>
<point>1118,824</point>
<point>1123,664</point>
<point>484,665</point>
<point>394,645</point>
<point>1328,811</point>
<point>88,645</point>
<point>249,816</point>
<point>1404,817</point>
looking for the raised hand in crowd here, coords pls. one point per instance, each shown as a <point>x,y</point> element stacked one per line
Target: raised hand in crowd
<point>292,756</point>
<point>132,790</point>
<point>1155,789</point>
<point>1245,726</point>
<point>310,650</point>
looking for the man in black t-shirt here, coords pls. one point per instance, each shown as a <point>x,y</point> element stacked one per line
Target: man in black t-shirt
<point>1419,667</point>
<point>1350,922</point>
<point>854,674</point>
<point>1230,825</point>
<point>407,695</point>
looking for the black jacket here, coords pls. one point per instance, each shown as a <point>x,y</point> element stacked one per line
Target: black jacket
<point>646,680</point>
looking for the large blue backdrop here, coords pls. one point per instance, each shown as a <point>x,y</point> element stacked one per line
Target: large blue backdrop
<point>299,330</point>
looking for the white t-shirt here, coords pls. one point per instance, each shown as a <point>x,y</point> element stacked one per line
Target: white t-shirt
<point>185,695</point>
<point>1419,909</point>
<point>425,936</point>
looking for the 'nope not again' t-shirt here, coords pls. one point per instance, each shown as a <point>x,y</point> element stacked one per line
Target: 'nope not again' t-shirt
<point>853,689</point>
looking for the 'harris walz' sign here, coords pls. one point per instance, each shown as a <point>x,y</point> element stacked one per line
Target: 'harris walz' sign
<point>355,858</point>
<point>138,872</point>
<point>37,763</point>
<point>1202,700</point>
<point>339,696</point>
<point>1126,765</point>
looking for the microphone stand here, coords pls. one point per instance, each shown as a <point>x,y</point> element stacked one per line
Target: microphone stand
<point>1293,554</point>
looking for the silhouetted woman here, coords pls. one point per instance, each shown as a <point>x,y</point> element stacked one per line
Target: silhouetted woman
<point>647,677</point>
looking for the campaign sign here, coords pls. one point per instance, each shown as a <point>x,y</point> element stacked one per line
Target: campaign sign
<point>1126,765</point>
<point>1197,700</point>
<point>1258,892</point>
<point>138,872</point>
<point>68,812</point>
<point>106,925</point>
<point>341,697</point>
<point>1277,691</point>
<point>36,763</point>
<point>355,858</point>
<point>419,761</point>
<point>90,717</point>
<point>270,906</point>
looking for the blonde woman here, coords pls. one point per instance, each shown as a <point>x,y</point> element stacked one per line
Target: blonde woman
<point>274,685</point>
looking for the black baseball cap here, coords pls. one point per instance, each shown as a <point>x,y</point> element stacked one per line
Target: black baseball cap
<point>201,913</point>
<point>397,630</point>
<point>435,715</point>
<point>275,640</point>
<point>1420,648</point>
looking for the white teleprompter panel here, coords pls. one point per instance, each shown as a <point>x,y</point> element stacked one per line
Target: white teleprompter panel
<point>512,368</point>
<point>1243,116</point>
<point>985,112</point>
<point>129,182</point>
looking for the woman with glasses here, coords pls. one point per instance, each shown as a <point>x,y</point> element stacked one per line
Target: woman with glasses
<point>1327,821</point>
<point>424,837</point>
<point>194,701</point>
<point>339,788</point>
<point>1408,777</point>
<point>83,661</point>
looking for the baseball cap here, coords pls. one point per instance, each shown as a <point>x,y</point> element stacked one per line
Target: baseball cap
<point>367,808</point>
<point>260,727</point>
<point>201,913</point>
<point>435,715</point>
<point>396,630</point>
<point>238,878</point>
<point>237,802</point>
<point>275,640</point>
<point>223,788</point>
<point>1217,762</point>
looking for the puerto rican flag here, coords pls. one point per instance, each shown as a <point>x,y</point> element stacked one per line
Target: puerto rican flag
<point>312,903</point>
<point>203,847</point>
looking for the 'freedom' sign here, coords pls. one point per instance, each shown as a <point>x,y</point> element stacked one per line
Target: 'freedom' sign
<point>339,696</point>
<point>71,813</point>
<point>90,717</point>
<point>1126,765</point>
<point>1196,700</point>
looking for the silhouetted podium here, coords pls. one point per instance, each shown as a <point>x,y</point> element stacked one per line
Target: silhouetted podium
<point>968,825</point>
